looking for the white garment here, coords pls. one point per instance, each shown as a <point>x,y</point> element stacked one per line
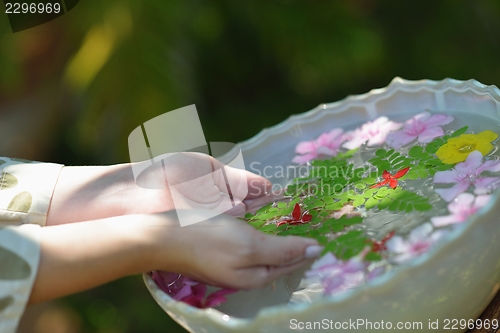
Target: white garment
<point>26,189</point>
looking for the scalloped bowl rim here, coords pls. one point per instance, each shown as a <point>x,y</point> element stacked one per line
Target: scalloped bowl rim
<point>453,236</point>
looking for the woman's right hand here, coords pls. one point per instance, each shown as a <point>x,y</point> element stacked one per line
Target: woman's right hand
<point>226,252</point>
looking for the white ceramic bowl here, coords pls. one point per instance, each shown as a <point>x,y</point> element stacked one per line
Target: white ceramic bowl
<point>454,280</point>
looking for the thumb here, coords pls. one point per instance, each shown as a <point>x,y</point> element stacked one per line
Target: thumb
<point>282,251</point>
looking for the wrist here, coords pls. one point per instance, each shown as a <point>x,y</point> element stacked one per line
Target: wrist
<point>90,192</point>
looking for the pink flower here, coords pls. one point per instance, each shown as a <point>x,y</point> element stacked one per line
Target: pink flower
<point>419,240</point>
<point>423,126</point>
<point>194,295</point>
<point>189,291</point>
<point>327,144</point>
<point>466,174</point>
<point>336,275</point>
<point>465,205</point>
<point>375,132</point>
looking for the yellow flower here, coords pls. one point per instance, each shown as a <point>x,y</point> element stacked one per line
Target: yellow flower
<point>457,149</point>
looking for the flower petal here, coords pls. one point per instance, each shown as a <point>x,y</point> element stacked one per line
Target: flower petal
<point>444,177</point>
<point>487,135</point>
<point>184,292</point>
<point>303,159</point>
<point>473,161</point>
<point>218,297</point>
<point>429,134</point>
<point>462,203</point>
<point>396,244</point>
<point>481,201</point>
<point>398,139</point>
<point>305,147</point>
<point>438,120</point>
<point>485,184</point>
<point>442,221</point>
<point>401,172</point>
<point>484,147</point>
<point>448,194</point>
<point>492,166</point>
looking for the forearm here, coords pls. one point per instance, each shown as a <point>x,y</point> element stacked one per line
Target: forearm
<point>89,193</point>
<point>79,256</point>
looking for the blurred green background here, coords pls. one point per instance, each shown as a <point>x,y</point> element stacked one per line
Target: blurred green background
<point>73,89</point>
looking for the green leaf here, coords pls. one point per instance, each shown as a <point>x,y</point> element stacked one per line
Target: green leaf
<point>422,206</point>
<point>416,151</point>
<point>394,156</point>
<point>268,227</point>
<point>381,153</point>
<point>335,206</point>
<point>369,180</point>
<point>263,209</point>
<point>373,256</point>
<point>358,201</point>
<point>282,204</point>
<point>371,202</point>
<point>256,224</point>
<point>459,131</point>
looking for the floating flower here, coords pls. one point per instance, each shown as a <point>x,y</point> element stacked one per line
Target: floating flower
<point>423,126</point>
<point>457,149</point>
<point>465,205</point>
<point>337,275</point>
<point>327,144</point>
<point>374,133</point>
<point>390,179</point>
<point>346,210</point>
<point>465,175</point>
<point>189,291</point>
<point>419,240</point>
<point>381,244</point>
<point>297,217</point>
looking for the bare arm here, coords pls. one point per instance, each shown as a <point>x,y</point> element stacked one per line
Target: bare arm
<point>221,251</point>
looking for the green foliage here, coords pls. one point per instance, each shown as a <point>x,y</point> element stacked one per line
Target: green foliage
<point>390,160</point>
<point>348,245</point>
<point>397,200</point>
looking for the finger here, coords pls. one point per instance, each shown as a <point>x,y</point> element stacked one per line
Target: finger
<point>239,210</point>
<point>261,276</point>
<point>281,251</point>
<point>253,205</point>
<point>242,184</point>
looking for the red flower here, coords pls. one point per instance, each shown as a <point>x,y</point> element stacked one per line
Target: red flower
<point>380,245</point>
<point>390,179</point>
<point>296,217</point>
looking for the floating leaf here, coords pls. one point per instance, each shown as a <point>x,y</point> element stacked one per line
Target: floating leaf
<point>348,245</point>
<point>416,151</point>
<point>373,256</point>
<point>459,131</point>
<point>381,153</point>
<point>21,202</point>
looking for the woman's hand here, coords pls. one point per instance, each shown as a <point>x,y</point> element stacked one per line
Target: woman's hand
<point>95,192</point>
<point>221,251</point>
<point>226,252</point>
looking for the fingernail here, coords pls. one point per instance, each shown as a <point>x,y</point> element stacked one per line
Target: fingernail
<point>313,251</point>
